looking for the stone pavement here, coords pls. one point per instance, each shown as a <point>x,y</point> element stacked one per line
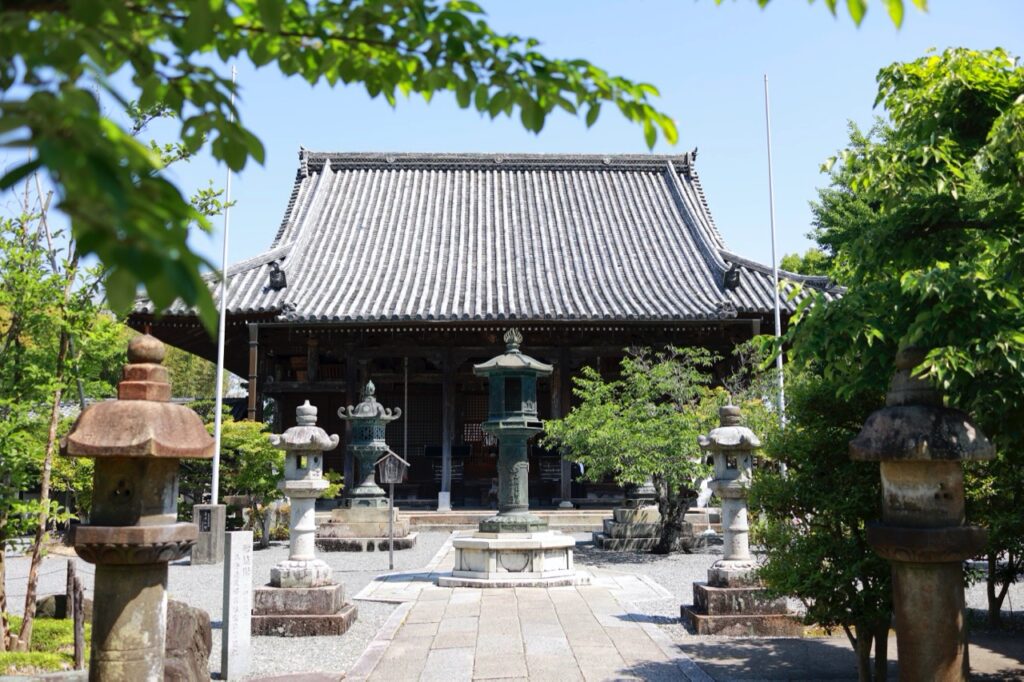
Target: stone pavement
<point>593,632</point>
<point>587,632</point>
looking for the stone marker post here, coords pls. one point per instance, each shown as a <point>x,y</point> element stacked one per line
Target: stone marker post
<point>137,442</point>
<point>211,519</point>
<point>236,637</point>
<point>733,602</point>
<point>919,445</point>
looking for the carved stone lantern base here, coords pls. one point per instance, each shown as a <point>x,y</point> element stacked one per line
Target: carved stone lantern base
<point>291,573</point>
<point>513,560</point>
<point>301,611</point>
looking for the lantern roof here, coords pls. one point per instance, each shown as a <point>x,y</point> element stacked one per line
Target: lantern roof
<point>369,408</point>
<point>306,436</point>
<point>512,360</point>
<point>731,435</point>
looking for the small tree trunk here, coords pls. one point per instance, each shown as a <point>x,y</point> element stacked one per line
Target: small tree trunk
<point>882,652</point>
<point>996,596</point>
<point>5,626</point>
<point>862,645</point>
<point>25,635</point>
<point>673,510</point>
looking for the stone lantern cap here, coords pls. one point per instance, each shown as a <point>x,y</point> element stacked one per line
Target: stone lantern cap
<point>513,360</point>
<point>731,435</point>
<point>369,408</point>
<point>915,426</point>
<point>306,436</point>
<point>141,422</point>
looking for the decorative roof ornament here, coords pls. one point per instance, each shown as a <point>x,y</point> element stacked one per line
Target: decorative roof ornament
<point>513,339</point>
<point>306,436</point>
<point>369,408</point>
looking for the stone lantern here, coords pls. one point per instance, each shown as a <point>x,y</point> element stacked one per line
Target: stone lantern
<point>137,442</point>
<point>302,598</point>
<point>363,520</point>
<point>514,547</point>
<point>920,445</point>
<point>303,482</point>
<point>369,420</point>
<point>732,601</point>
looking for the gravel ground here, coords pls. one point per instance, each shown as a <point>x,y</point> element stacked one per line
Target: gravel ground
<point>678,572</point>
<point>200,586</point>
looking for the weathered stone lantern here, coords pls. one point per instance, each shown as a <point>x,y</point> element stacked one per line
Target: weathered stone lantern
<point>363,520</point>
<point>137,442</point>
<point>369,420</point>
<point>303,482</point>
<point>920,445</point>
<point>513,547</point>
<point>302,598</point>
<point>732,601</point>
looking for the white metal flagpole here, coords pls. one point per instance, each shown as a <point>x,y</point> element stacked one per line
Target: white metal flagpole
<point>775,266</point>
<point>222,325</point>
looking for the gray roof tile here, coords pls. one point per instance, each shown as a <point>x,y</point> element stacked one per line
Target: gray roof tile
<point>370,238</point>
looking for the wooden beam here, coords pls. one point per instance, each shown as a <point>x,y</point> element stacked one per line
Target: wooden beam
<point>447,427</point>
<point>312,359</point>
<point>560,387</point>
<point>254,346</point>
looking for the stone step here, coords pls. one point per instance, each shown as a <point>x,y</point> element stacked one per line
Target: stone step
<point>624,544</point>
<point>631,530</point>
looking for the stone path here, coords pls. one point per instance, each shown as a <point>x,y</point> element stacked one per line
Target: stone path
<point>588,632</point>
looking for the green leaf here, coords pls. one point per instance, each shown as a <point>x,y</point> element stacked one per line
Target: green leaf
<point>857,9</point>
<point>271,12</point>
<point>120,286</point>
<point>593,113</point>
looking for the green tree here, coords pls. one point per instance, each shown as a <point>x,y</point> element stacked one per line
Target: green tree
<point>55,57</point>
<point>924,220</point>
<point>251,467</point>
<point>643,424</point>
<point>191,376</point>
<point>47,303</point>
<point>812,540</point>
<point>813,262</point>
<point>858,9</point>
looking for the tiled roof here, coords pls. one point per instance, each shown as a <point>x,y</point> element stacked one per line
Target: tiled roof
<point>370,238</point>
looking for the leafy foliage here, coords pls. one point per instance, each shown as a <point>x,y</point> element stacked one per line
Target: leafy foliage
<point>55,57</point>
<point>810,522</point>
<point>924,221</point>
<point>645,423</point>
<point>859,8</point>
<point>812,262</point>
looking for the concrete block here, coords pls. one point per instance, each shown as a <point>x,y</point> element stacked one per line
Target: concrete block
<point>743,625</point>
<point>735,601</point>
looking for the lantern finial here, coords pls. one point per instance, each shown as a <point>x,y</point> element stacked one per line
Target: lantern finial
<point>513,339</point>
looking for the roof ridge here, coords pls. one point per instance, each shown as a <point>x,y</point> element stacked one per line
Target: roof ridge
<point>312,161</point>
<point>818,281</point>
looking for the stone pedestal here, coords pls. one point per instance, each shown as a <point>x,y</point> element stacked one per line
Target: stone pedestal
<point>541,559</point>
<point>732,602</point>
<point>211,520</point>
<point>920,445</point>
<point>631,529</point>
<point>357,529</point>
<point>302,612</point>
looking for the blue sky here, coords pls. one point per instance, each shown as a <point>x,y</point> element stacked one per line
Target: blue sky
<point>707,60</point>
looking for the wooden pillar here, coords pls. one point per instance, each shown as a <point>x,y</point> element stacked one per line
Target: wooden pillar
<point>254,347</point>
<point>560,390</point>
<point>312,359</point>
<point>447,430</point>
<point>351,398</point>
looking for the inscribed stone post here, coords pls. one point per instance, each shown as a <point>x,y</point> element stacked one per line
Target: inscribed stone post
<point>236,641</point>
